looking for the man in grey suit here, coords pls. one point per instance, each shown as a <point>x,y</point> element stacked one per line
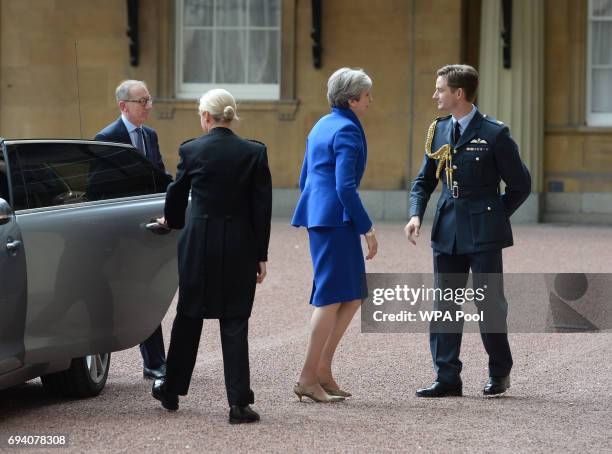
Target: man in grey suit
<point>135,102</point>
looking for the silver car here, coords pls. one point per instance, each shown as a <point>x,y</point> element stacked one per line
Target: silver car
<point>84,270</point>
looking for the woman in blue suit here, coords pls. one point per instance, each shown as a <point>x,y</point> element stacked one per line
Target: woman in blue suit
<point>330,208</point>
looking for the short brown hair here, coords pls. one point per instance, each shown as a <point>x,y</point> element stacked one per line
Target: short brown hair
<point>461,76</point>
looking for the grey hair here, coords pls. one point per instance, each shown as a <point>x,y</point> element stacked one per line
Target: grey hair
<point>220,104</point>
<point>122,92</point>
<point>346,84</point>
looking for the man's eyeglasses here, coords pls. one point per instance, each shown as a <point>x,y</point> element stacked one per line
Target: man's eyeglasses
<point>142,101</point>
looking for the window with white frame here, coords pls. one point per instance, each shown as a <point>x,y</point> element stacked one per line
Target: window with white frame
<point>599,67</point>
<point>231,44</point>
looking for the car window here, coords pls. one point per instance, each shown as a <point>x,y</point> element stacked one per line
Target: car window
<point>4,189</point>
<point>50,174</point>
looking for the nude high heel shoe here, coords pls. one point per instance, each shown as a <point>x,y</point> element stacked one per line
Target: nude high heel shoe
<point>334,391</point>
<point>302,391</point>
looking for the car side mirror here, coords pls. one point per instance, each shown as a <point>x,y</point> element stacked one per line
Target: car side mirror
<point>6,212</point>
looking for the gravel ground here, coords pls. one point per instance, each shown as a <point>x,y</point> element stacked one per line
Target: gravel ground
<point>561,396</point>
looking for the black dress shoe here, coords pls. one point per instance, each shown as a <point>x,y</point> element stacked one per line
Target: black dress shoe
<point>496,386</point>
<point>169,401</point>
<point>154,374</point>
<point>240,415</point>
<point>440,389</point>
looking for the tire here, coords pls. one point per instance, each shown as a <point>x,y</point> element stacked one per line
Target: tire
<point>86,377</point>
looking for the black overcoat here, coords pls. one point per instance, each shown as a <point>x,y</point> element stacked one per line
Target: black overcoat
<point>228,229</point>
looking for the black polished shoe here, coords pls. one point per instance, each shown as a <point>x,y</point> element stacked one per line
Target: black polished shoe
<point>440,389</point>
<point>240,415</point>
<point>154,374</point>
<point>496,386</point>
<point>169,401</point>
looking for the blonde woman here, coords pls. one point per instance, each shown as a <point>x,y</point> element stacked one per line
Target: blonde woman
<point>222,250</point>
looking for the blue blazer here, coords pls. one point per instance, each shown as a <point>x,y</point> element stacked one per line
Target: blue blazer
<point>334,162</point>
<point>117,132</point>
<point>476,217</point>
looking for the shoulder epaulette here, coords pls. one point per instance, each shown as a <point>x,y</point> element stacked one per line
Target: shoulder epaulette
<point>256,141</point>
<point>187,141</point>
<point>444,117</point>
<point>493,120</point>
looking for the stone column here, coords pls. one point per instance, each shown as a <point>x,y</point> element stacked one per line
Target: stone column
<point>516,95</point>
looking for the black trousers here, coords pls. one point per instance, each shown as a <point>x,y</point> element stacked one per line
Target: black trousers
<point>184,342</point>
<point>451,272</point>
<point>152,350</point>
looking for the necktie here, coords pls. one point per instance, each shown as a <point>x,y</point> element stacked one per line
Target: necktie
<point>140,141</point>
<point>457,133</point>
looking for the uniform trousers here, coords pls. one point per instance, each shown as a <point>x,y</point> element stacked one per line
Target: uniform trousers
<point>452,272</point>
<point>183,350</point>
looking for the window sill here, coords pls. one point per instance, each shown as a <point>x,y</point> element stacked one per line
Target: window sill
<point>577,130</point>
<point>285,108</point>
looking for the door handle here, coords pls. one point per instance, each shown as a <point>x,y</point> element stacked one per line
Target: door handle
<point>153,227</point>
<point>13,246</point>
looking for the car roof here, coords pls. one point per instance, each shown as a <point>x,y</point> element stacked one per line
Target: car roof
<point>48,141</point>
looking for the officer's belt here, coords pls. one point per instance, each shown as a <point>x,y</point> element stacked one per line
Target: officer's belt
<point>457,192</point>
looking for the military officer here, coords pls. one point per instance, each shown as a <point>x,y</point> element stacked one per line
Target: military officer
<point>471,153</point>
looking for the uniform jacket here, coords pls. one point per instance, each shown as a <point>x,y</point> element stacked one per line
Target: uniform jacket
<point>334,162</point>
<point>228,229</point>
<point>478,218</point>
<point>117,132</point>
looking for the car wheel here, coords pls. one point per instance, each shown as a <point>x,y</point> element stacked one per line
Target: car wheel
<point>86,377</point>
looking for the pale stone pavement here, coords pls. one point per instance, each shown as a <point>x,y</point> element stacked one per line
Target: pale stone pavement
<point>560,400</point>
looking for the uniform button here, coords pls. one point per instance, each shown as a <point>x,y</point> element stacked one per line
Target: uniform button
<point>454,183</point>
<point>454,167</point>
<point>454,151</point>
<point>477,158</point>
<point>488,208</point>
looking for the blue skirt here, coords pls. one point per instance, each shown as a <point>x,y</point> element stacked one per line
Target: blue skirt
<point>339,268</point>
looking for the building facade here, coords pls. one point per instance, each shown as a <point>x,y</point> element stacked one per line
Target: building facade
<point>60,61</point>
